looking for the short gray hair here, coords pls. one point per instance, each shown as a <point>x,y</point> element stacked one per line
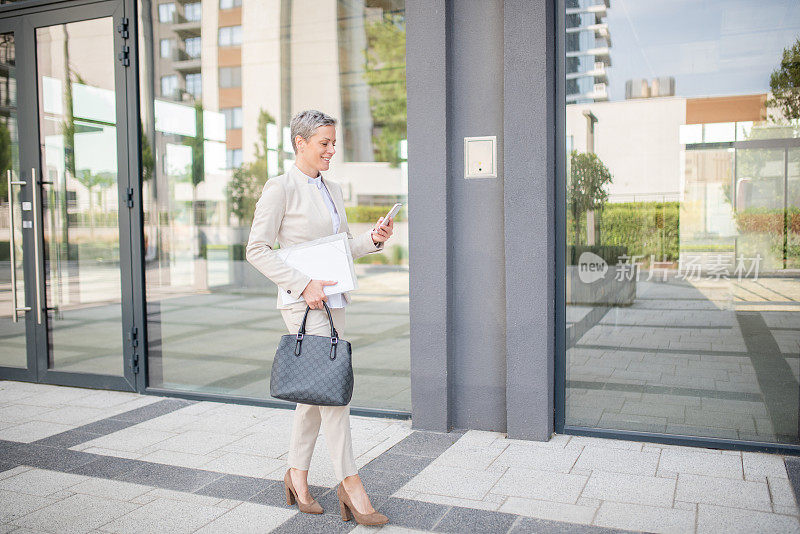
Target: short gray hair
<point>306,122</point>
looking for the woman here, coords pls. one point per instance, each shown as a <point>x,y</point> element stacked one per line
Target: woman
<point>299,206</point>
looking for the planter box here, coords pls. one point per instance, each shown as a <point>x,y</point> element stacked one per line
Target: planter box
<point>605,291</point>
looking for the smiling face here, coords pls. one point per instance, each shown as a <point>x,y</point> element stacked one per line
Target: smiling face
<point>314,154</point>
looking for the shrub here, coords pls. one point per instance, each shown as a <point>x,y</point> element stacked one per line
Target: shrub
<point>641,228</point>
<point>370,214</point>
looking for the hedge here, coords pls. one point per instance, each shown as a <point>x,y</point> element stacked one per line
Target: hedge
<point>653,228</point>
<point>768,221</point>
<point>769,224</point>
<point>642,228</point>
<point>370,214</point>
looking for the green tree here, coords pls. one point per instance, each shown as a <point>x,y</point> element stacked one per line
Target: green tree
<point>264,118</point>
<point>68,125</point>
<point>90,180</point>
<point>385,72</point>
<point>784,83</point>
<point>586,189</point>
<point>197,172</point>
<point>244,188</point>
<point>5,159</point>
<point>148,158</point>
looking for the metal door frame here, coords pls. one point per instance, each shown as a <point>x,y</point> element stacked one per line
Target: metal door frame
<point>23,19</point>
<point>22,57</point>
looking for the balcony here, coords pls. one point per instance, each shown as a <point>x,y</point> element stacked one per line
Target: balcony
<point>183,95</point>
<point>599,53</point>
<point>599,93</point>
<point>602,37</point>
<point>598,9</point>
<point>601,32</point>
<point>184,27</point>
<point>185,63</point>
<point>599,72</point>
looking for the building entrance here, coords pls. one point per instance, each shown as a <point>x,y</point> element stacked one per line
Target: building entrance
<point>66,295</point>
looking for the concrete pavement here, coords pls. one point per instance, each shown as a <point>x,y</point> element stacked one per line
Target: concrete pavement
<point>80,460</point>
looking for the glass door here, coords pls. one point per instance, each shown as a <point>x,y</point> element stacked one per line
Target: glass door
<point>14,354</point>
<point>75,168</point>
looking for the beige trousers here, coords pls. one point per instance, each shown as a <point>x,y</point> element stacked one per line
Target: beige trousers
<point>335,420</point>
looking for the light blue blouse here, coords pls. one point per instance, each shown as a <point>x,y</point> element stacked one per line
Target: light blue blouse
<point>334,301</point>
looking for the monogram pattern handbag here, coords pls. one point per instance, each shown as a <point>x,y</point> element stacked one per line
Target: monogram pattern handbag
<point>313,369</point>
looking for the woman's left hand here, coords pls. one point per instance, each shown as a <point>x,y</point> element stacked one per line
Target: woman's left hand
<point>382,231</point>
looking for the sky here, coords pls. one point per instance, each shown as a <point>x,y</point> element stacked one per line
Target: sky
<point>711,47</point>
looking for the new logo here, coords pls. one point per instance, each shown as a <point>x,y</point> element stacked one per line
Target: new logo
<point>591,267</point>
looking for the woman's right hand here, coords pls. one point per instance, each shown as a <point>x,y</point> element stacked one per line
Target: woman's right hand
<point>314,294</point>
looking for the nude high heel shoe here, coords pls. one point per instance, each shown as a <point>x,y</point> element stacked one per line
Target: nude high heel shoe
<point>291,496</point>
<point>349,511</point>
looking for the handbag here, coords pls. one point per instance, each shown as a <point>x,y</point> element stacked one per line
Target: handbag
<point>313,369</point>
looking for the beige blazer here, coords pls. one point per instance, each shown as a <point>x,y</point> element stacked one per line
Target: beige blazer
<point>292,211</point>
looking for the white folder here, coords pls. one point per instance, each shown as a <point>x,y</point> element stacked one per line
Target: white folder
<point>327,258</point>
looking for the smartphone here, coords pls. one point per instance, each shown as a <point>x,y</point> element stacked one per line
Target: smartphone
<point>392,212</point>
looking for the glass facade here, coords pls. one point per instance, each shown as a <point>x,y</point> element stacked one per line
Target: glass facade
<point>683,219</point>
<point>215,117</point>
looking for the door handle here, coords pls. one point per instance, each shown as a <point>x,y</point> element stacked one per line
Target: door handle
<point>37,201</point>
<point>55,257</point>
<point>13,245</point>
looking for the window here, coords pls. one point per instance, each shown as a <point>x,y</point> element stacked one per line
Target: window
<point>233,118</point>
<point>169,84</point>
<point>230,36</point>
<point>194,84</point>
<point>194,255</point>
<point>165,46</point>
<point>193,11</point>
<point>230,76</point>
<point>678,187</point>
<point>233,158</point>
<point>192,46</point>
<point>166,13</point>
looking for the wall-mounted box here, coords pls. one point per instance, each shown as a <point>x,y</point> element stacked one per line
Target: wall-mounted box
<point>480,157</point>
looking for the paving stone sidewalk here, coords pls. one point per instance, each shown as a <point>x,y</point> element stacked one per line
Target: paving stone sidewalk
<point>80,460</point>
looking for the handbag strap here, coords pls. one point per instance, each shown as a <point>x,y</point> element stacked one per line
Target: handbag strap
<point>302,332</point>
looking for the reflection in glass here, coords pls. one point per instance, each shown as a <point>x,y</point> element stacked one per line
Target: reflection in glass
<point>12,334</point>
<point>77,102</point>
<point>793,209</point>
<point>760,195</point>
<point>682,248</point>
<point>209,147</point>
